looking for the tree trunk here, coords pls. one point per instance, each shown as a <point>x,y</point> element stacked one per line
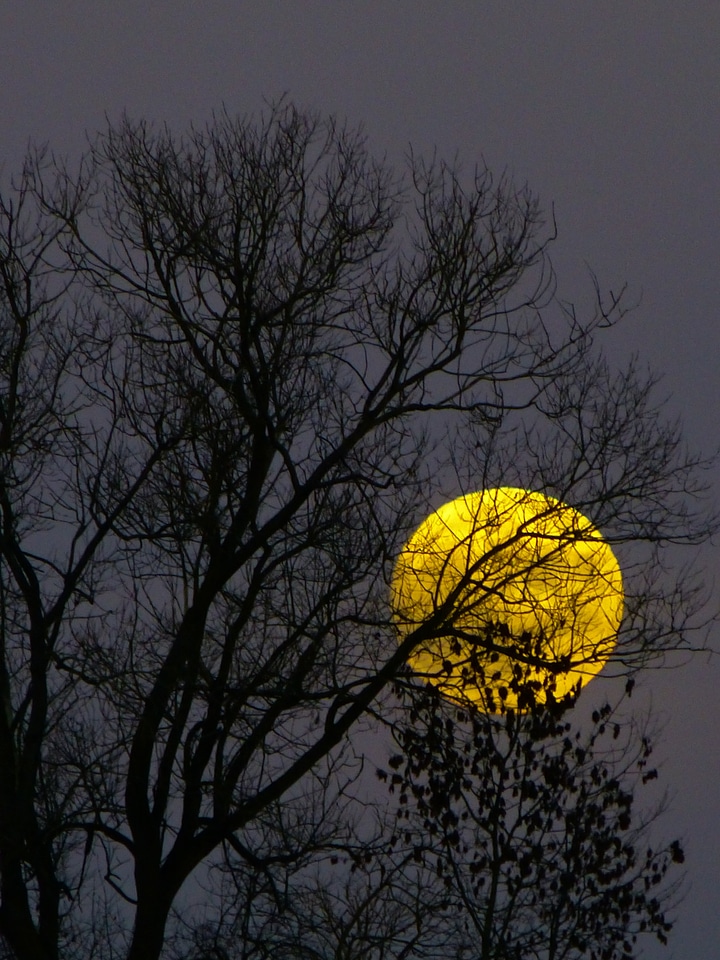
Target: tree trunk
<point>150,922</point>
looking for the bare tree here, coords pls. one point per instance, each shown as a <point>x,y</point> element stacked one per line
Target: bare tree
<point>236,368</point>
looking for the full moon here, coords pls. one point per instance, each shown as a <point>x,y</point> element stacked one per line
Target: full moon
<point>507,587</point>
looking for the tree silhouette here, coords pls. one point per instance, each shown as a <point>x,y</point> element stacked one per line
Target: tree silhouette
<point>236,368</point>
<point>540,848</point>
<point>509,836</point>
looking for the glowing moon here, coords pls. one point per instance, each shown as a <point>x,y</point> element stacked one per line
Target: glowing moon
<point>511,587</point>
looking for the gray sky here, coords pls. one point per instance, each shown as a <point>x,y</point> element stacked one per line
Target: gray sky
<point>610,111</point>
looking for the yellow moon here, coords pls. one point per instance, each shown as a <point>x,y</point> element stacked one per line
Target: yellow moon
<point>507,587</point>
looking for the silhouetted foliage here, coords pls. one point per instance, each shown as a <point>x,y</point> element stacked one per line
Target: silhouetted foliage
<point>531,826</point>
<point>236,370</point>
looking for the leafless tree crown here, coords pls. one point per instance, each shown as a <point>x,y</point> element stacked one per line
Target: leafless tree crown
<point>237,369</point>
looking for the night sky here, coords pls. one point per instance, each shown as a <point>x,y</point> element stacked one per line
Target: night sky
<point>609,110</point>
